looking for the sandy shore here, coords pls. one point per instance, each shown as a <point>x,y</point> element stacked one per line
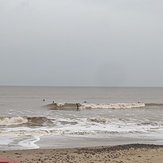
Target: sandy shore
<point>115,154</point>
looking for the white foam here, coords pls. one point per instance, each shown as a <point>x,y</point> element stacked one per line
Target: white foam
<point>24,132</point>
<point>60,104</point>
<point>30,142</point>
<point>78,130</point>
<point>6,121</point>
<point>112,106</point>
<point>93,125</point>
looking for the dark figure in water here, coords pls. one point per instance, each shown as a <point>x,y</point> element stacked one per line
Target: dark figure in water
<point>77,105</point>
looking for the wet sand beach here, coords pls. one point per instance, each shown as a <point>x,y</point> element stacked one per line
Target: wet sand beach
<point>115,154</point>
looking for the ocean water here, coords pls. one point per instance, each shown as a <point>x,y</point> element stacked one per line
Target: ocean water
<point>48,117</point>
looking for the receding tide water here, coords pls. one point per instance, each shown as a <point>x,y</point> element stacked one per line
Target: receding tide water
<point>57,117</point>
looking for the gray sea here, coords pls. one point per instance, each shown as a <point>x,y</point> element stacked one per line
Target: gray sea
<point>62,117</point>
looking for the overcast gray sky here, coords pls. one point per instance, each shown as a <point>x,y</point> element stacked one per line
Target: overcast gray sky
<point>81,42</point>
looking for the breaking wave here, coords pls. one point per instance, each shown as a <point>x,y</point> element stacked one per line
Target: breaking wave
<point>113,106</point>
<point>7,121</point>
<point>77,106</point>
<point>30,121</point>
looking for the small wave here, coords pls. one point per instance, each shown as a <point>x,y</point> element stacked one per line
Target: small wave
<point>101,120</point>
<point>67,122</point>
<point>154,104</point>
<point>30,121</point>
<point>77,106</point>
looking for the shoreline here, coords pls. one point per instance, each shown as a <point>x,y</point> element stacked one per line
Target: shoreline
<point>127,153</point>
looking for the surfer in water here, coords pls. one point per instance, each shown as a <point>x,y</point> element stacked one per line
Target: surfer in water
<point>77,105</point>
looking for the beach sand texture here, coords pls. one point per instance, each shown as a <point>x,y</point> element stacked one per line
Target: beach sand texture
<point>137,153</point>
